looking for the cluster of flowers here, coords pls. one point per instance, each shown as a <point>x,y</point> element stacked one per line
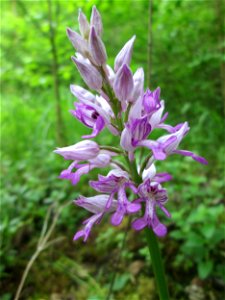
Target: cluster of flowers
<point>130,113</point>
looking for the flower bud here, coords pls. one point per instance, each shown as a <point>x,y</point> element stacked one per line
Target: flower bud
<point>81,151</point>
<point>97,48</point>
<point>83,25</point>
<point>124,56</point>
<point>123,83</point>
<point>89,74</point>
<point>95,204</point>
<point>78,42</point>
<point>96,20</point>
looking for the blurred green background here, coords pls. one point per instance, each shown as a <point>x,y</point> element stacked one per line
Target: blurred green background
<point>187,63</point>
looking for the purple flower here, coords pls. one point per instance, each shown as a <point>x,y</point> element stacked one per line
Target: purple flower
<point>139,130</point>
<point>151,101</point>
<point>124,56</point>
<point>94,112</point>
<point>168,144</point>
<point>134,133</point>
<point>96,205</point>
<point>116,182</point>
<point>149,105</point>
<point>80,151</point>
<point>153,195</point>
<point>89,117</point>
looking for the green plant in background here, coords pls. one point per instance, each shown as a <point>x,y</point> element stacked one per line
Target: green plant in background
<point>200,238</point>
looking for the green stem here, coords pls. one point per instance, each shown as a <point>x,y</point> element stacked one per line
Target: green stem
<point>113,149</point>
<point>157,264</point>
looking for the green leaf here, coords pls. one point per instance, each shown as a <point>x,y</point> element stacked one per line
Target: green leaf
<point>120,282</point>
<point>177,234</point>
<point>205,268</point>
<point>208,230</point>
<point>194,240</point>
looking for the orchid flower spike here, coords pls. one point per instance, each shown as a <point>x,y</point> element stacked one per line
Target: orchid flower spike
<point>118,103</point>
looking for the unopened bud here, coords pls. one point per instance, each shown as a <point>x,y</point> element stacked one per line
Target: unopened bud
<point>123,83</point>
<point>124,56</point>
<point>96,21</point>
<point>89,74</point>
<point>83,25</point>
<point>78,42</point>
<point>97,48</point>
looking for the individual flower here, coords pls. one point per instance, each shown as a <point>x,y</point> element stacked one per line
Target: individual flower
<point>140,125</point>
<point>134,132</point>
<point>153,196</point>
<point>116,182</point>
<point>168,144</point>
<point>96,205</point>
<point>89,117</point>
<point>93,111</point>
